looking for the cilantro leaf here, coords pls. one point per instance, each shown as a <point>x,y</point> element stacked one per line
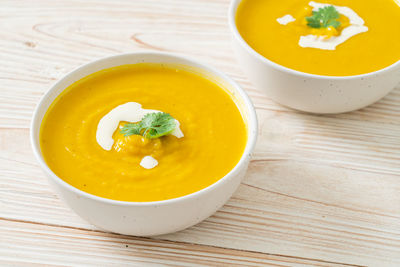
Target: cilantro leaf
<point>153,125</point>
<point>130,129</point>
<point>324,18</point>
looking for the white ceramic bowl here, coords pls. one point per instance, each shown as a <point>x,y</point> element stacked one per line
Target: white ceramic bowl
<point>148,218</point>
<point>308,92</point>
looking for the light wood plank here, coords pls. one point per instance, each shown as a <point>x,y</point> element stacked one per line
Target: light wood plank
<point>26,243</point>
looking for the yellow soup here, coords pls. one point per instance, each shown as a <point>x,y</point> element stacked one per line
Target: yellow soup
<point>214,134</point>
<point>375,49</point>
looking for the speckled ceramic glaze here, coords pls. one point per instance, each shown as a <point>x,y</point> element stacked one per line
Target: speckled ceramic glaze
<point>308,92</point>
<point>148,218</point>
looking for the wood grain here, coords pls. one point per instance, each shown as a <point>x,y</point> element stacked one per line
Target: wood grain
<point>320,189</point>
<point>66,246</point>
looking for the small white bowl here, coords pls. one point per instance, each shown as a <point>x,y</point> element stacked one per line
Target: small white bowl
<point>309,92</point>
<point>158,217</point>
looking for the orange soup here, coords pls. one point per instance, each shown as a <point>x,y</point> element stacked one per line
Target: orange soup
<point>292,32</point>
<point>214,134</point>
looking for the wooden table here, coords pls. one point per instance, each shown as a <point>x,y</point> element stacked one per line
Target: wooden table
<point>321,190</point>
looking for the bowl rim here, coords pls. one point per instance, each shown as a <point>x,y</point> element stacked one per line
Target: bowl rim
<point>234,4</point>
<point>250,143</point>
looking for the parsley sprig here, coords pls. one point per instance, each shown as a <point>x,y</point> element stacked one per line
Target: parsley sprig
<point>324,18</point>
<point>153,125</point>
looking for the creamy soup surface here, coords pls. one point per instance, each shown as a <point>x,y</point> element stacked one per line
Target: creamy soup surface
<point>214,131</point>
<point>274,28</point>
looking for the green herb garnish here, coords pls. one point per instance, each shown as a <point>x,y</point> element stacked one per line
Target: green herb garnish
<point>153,125</point>
<point>324,18</point>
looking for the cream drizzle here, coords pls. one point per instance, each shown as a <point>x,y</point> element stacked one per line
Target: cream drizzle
<point>320,42</point>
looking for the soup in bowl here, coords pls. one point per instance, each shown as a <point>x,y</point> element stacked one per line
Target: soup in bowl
<point>319,56</point>
<point>146,143</point>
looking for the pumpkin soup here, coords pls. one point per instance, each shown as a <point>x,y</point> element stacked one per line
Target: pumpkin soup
<point>143,132</point>
<point>326,37</point>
